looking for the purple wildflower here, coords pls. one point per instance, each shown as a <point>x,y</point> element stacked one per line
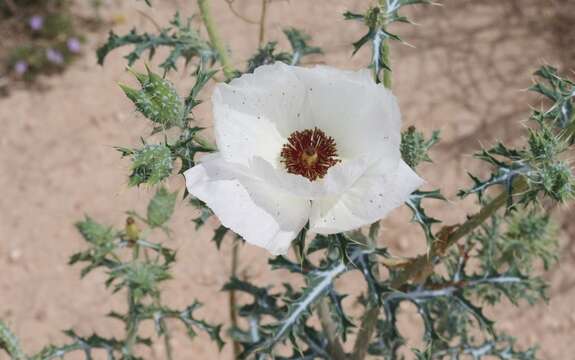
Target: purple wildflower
<point>36,22</point>
<point>54,56</point>
<point>74,45</point>
<point>21,67</point>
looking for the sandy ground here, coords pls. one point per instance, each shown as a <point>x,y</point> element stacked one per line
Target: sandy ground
<point>466,77</point>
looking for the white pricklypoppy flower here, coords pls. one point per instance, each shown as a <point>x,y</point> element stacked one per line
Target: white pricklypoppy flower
<point>302,144</point>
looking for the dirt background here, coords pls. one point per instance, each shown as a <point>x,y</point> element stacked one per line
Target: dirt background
<point>466,76</point>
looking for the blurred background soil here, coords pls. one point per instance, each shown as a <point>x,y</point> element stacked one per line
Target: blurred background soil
<point>467,76</point>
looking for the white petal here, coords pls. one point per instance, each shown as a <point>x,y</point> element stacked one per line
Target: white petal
<point>370,199</point>
<point>261,215</point>
<point>359,114</point>
<point>363,75</point>
<point>272,92</point>
<point>338,179</point>
<point>241,136</point>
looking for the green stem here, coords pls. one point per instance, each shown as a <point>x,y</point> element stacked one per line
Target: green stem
<point>334,347</point>
<point>386,60</point>
<point>232,296</point>
<point>215,39</point>
<point>262,22</point>
<point>165,331</point>
<point>133,321</point>
<point>132,330</point>
<point>167,340</point>
<point>368,322</point>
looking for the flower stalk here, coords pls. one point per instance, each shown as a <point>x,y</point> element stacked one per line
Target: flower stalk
<point>386,60</point>
<point>232,296</point>
<point>262,22</point>
<point>133,322</point>
<point>334,346</point>
<point>215,39</point>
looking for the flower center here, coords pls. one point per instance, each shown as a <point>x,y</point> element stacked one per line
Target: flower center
<point>309,153</point>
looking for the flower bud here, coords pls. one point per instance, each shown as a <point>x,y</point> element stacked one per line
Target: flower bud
<point>151,165</point>
<point>157,100</point>
<point>414,146</point>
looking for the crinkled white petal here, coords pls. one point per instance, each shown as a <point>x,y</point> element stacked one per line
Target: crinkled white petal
<point>263,216</point>
<point>360,115</point>
<point>272,91</point>
<point>363,76</point>
<point>338,179</point>
<point>371,198</point>
<point>241,136</point>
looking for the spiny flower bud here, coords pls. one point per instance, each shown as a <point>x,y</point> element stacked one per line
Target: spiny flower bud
<point>157,99</point>
<point>414,146</point>
<point>151,164</point>
<point>557,181</point>
<point>544,144</point>
<point>375,17</point>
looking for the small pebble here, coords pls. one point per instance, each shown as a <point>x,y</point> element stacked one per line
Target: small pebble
<point>15,255</point>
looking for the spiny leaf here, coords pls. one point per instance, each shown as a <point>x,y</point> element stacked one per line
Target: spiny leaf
<point>263,302</point>
<point>267,55</point>
<point>103,241</point>
<point>84,344</point>
<point>186,316</point>
<point>186,148</point>
<point>183,42</point>
<point>560,91</point>
<point>219,234</point>
<point>202,78</point>
<point>299,46</point>
<point>10,343</point>
<point>205,212</point>
<point>161,207</point>
<point>141,277</point>
<point>298,41</point>
<point>94,232</point>
<point>319,283</point>
<point>419,214</point>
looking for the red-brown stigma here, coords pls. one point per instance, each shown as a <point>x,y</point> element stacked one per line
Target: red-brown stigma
<point>309,153</point>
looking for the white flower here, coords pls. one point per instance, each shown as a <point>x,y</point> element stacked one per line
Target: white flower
<point>302,144</point>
